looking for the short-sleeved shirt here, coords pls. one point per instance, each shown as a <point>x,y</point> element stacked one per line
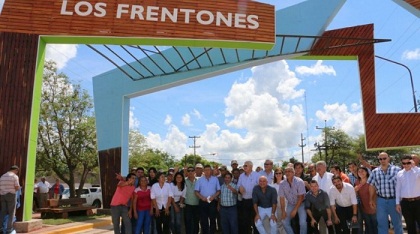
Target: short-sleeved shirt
<point>248,182</point>
<point>207,187</point>
<point>8,183</point>
<point>292,191</point>
<point>345,198</point>
<point>364,197</point>
<point>324,182</point>
<point>384,182</point>
<point>161,194</point>
<point>227,197</point>
<point>122,195</point>
<point>264,200</point>
<point>177,193</point>
<point>190,197</point>
<point>319,202</point>
<point>144,202</point>
<point>43,187</point>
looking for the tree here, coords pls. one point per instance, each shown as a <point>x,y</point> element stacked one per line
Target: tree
<point>66,132</point>
<point>152,158</point>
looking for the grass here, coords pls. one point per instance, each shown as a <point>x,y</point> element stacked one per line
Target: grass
<point>71,219</point>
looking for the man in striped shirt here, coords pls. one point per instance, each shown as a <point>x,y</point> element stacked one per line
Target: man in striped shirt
<point>9,184</point>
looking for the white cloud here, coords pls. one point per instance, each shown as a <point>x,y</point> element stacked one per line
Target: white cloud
<point>61,54</point>
<point>261,117</point>
<point>317,69</point>
<point>186,120</point>
<point>411,54</point>
<point>197,114</point>
<point>350,121</point>
<point>174,142</point>
<point>133,121</point>
<point>168,120</point>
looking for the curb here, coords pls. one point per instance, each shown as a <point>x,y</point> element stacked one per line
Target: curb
<point>81,227</point>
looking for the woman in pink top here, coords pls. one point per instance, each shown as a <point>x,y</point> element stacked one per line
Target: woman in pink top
<point>142,203</point>
<point>362,190</point>
<point>120,207</point>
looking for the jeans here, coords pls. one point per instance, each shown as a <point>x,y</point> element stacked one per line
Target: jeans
<point>118,212</point>
<point>176,220</point>
<point>8,207</point>
<point>302,219</point>
<point>344,214</point>
<point>143,222</point>
<point>371,224</point>
<point>208,212</point>
<point>385,207</point>
<point>265,212</point>
<point>192,219</point>
<point>229,219</point>
<point>411,213</point>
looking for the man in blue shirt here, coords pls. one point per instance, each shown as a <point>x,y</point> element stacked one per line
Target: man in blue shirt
<point>207,189</point>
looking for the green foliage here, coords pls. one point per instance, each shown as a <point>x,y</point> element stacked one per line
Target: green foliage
<point>66,132</point>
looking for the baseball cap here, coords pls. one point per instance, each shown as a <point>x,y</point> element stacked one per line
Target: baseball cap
<point>14,167</point>
<point>233,162</point>
<point>223,168</point>
<point>199,165</point>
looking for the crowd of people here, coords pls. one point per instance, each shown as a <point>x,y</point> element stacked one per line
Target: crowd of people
<point>300,198</point>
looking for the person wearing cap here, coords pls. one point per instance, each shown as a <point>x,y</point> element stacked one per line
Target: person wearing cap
<point>247,181</point>
<point>198,170</point>
<point>192,212</point>
<point>43,190</point>
<point>234,164</point>
<point>223,170</point>
<point>9,185</point>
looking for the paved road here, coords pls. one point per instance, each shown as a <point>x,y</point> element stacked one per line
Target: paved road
<point>99,230</point>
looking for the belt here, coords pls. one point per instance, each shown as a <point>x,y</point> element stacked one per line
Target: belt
<point>411,199</point>
<point>386,198</point>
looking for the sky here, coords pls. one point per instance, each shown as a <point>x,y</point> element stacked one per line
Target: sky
<point>261,112</point>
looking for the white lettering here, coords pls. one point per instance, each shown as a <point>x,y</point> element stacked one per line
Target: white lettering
<point>137,10</point>
<point>100,9</point>
<point>82,4</point>
<point>205,22</point>
<point>227,21</point>
<point>187,14</point>
<point>151,15</point>
<point>240,20</point>
<point>64,9</point>
<point>253,20</point>
<point>122,8</point>
<point>167,14</point>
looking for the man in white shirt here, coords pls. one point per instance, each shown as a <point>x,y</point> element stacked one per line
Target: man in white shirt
<point>43,191</point>
<point>343,204</point>
<point>323,177</point>
<point>9,185</point>
<point>408,193</point>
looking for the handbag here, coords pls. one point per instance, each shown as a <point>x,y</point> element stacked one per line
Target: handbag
<point>351,225</point>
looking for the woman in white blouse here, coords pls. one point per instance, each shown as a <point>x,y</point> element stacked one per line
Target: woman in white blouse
<point>179,191</point>
<point>162,196</point>
<point>278,177</point>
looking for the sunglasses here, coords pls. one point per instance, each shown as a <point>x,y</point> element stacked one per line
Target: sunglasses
<point>267,164</point>
<point>190,170</point>
<point>279,173</point>
<point>380,159</point>
<point>406,163</point>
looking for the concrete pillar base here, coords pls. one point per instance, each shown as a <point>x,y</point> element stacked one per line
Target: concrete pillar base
<point>28,226</point>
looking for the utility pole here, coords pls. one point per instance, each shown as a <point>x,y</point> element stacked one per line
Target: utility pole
<point>325,129</point>
<point>194,146</point>
<point>301,145</point>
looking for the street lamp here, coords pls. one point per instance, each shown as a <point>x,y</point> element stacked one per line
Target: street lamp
<point>411,79</point>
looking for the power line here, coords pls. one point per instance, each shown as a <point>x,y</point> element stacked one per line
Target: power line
<point>194,146</point>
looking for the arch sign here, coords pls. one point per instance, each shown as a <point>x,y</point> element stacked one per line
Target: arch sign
<point>249,27</point>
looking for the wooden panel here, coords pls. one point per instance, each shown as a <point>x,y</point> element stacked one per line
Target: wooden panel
<point>414,3</point>
<point>52,17</point>
<point>17,73</point>
<point>382,130</point>
<point>109,164</point>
